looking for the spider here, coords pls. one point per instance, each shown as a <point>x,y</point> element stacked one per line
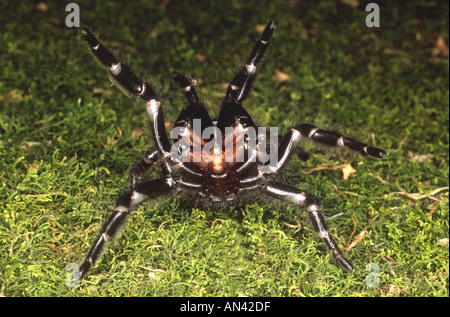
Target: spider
<point>207,177</point>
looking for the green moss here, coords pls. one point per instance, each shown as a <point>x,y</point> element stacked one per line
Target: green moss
<point>65,151</point>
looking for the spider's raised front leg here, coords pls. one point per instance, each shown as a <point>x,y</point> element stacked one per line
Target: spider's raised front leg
<point>120,73</point>
<point>132,85</point>
<point>240,86</point>
<point>124,206</point>
<point>314,208</point>
<point>334,139</point>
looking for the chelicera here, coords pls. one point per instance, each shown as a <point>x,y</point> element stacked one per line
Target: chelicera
<point>224,167</point>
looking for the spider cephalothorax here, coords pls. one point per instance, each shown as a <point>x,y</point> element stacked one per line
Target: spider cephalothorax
<point>216,163</point>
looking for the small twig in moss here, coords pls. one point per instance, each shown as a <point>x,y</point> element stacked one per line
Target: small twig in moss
<point>417,196</point>
<point>358,239</point>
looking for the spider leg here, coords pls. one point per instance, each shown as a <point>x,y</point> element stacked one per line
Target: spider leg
<point>334,139</point>
<point>120,73</point>
<point>142,165</point>
<point>239,87</point>
<point>290,140</point>
<point>131,84</point>
<point>286,147</point>
<point>266,168</point>
<point>314,208</point>
<point>124,206</point>
<point>188,89</point>
<point>194,109</point>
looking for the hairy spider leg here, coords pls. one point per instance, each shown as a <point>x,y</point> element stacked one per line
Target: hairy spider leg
<point>132,85</point>
<point>188,89</point>
<point>142,165</point>
<point>334,139</point>
<point>288,145</point>
<point>239,87</point>
<point>194,108</point>
<point>120,73</point>
<point>124,206</point>
<point>299,197</point>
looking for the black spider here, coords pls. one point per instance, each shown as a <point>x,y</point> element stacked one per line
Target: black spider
<point>206,169</point>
